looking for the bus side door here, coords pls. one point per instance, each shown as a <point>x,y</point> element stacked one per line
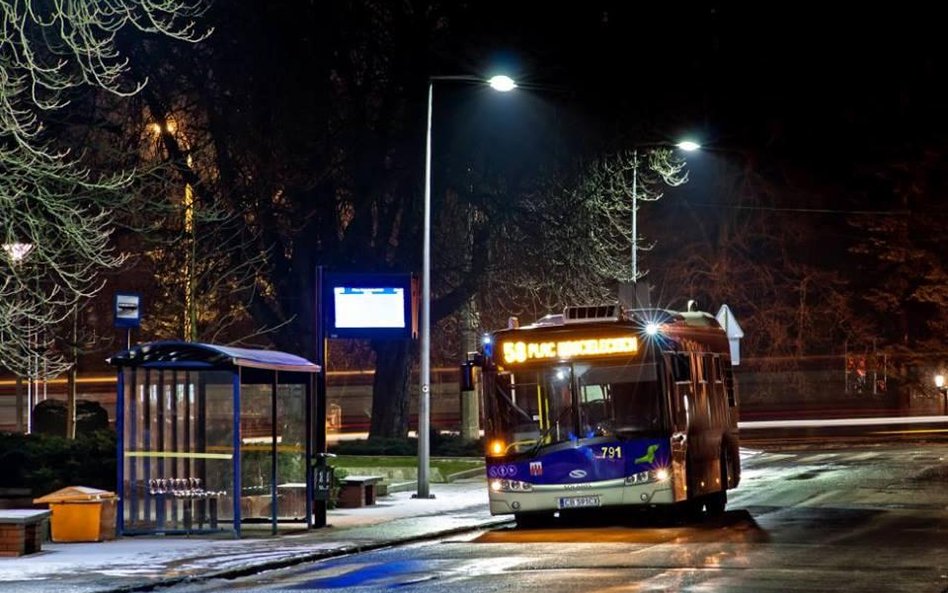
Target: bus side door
<point>678,379</point>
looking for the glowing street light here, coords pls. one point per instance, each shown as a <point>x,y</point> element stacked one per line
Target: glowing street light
<point>502,84</point>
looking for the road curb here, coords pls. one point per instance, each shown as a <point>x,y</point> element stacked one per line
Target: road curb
<point>235,573</point>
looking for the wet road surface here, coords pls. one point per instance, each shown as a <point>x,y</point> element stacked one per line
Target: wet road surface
<point>854,519</point>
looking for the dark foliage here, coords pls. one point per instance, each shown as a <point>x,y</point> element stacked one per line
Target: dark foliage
<point>49,417</point>
<point>46,463</point>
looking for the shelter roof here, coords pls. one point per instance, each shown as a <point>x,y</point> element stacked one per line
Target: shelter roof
<point>175,354</point>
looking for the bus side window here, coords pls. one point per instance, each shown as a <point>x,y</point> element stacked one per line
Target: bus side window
<point>681,367</point>
<point>705,361</point>
<point>679,371</point>
<point>718,370</point>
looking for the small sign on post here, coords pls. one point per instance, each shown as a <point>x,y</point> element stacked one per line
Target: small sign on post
<point>128,310</point>
<point>128,313</point>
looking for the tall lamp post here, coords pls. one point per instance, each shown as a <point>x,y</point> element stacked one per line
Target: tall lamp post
<point>17,252</point>
<point>498,83</point>
<point>685,145</point>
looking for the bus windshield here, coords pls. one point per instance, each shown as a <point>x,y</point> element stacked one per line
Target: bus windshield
<point>541,407</point>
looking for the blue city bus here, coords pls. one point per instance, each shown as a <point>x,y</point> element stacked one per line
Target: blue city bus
<point>602,407</point>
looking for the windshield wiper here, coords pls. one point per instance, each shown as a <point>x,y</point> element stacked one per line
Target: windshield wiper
<point>549,429</point>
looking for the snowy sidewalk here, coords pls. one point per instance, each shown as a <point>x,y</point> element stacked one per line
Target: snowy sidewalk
<point>132,563</point>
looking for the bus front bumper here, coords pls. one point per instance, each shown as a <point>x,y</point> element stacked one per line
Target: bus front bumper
<point>557,497</point>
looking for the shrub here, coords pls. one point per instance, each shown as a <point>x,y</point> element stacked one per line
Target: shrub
<point>49,417</point>
<point>45,463</point>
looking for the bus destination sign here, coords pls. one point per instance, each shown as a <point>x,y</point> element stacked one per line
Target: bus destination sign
<point>520,351</point>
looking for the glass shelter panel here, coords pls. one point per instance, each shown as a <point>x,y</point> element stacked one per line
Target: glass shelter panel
<point>178,450</point>
<point>273,454</point>
<point>256,449</point>
<point>291,459</point>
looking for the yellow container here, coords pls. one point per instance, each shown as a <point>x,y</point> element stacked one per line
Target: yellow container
<point>81,514</point>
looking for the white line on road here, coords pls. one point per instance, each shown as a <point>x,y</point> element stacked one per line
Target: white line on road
<point>814,423</point>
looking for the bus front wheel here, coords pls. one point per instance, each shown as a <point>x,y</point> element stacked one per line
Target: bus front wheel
<point>532,520</point>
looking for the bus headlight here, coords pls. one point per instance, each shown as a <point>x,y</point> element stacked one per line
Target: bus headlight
<point>655,475</point>
<point>510,486</point>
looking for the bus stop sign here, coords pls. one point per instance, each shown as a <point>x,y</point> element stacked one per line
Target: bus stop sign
<point>128,313</point>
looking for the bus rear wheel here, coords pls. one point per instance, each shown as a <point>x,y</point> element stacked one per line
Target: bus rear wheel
<point>717,502</point>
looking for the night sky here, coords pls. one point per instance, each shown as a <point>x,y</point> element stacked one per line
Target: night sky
<point>823,87</point>
<point>818,124</point>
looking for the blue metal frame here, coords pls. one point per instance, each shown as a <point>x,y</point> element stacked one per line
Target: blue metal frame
<point>309,455</point>
<point>238,482</point>
<point>120,450</point>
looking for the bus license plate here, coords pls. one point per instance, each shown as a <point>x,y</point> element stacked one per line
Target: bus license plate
<point>576,502</point>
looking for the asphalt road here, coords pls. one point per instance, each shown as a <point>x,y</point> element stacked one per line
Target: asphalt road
<point>820,517</point>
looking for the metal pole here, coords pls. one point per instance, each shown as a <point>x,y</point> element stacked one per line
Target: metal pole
<point>635,199</point>
<point>425,379</point>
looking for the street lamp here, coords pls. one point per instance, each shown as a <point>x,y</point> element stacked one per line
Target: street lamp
<point>16,253</point>
<point>685,145</point>
<point>498,83</point>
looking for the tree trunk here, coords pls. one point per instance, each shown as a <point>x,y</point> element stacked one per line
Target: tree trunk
<point>390,395</point>
<point>470,411</point>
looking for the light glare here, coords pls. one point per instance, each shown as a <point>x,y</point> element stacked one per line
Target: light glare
<point>502,83</point>
<point>939,381</point>
<point>651,328</point>
<point>688,145</point>
<point>18,251</point>
<point>497,448</point>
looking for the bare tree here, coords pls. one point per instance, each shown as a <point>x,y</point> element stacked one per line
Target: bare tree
<point>571,243</point>
<point>55,214</point>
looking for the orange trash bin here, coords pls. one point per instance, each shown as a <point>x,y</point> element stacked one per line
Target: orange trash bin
<point>81,514</point>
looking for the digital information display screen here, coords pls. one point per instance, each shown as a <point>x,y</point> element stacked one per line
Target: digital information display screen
<point>367,307</point>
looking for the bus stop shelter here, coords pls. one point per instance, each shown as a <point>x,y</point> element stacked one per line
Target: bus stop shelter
<point>211,438</point>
